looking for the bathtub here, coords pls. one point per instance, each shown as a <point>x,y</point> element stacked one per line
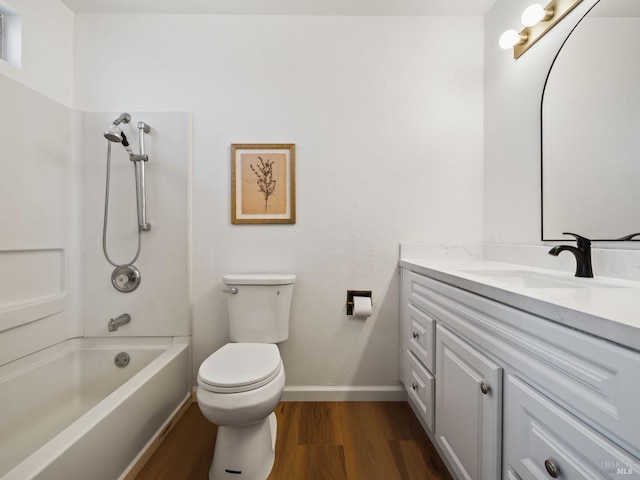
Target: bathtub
<point>69,413</point>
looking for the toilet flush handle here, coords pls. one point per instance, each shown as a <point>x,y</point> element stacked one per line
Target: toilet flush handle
<point>232,290</point>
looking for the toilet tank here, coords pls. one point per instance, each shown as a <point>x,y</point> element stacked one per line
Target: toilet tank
<point>259,311</point>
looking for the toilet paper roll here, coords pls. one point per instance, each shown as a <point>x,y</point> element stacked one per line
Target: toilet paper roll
<point>362,307</point>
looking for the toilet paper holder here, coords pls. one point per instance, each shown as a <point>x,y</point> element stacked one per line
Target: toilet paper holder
<point>355,293</point>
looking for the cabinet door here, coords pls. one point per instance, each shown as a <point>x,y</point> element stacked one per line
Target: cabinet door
<point>468,407</point>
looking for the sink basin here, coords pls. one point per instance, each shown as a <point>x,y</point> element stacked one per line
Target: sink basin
<point>535,279</point>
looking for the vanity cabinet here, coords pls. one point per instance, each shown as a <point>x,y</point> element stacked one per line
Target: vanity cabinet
<point>558,404</point>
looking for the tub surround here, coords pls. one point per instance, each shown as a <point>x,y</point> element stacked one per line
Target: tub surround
<point>164,260</point>
<point>38,182</point>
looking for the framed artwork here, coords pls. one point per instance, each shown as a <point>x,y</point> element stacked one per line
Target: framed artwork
<point>263,187</point>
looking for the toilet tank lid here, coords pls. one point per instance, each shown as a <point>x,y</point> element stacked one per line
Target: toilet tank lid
<point>259,279</point>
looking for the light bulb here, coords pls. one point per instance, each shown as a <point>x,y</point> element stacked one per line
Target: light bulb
<point>534,14</point>
<point>510,38</point>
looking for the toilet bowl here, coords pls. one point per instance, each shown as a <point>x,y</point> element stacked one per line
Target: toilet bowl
<point>239,387</point>
<point>240,383</point>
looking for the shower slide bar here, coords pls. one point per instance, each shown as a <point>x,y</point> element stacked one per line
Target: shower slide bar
<point>140,161</point>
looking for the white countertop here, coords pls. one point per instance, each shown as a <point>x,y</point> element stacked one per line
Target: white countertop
<point>606,307</point>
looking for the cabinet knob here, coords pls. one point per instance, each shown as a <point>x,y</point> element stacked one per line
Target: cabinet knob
<point>415,335</point>
<point>552,468</point>
<point>414,386</point>
<point>484,388</point>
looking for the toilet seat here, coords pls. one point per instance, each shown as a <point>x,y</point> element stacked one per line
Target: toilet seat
<point>240,367</point>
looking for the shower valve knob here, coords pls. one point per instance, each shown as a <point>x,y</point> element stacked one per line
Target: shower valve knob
<point>126,279</point>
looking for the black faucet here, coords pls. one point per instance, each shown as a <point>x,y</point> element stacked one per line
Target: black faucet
<point>629,238</point>
<point>582,252</point>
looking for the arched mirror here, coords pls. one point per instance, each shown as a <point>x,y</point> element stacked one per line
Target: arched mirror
<point>591,128</point>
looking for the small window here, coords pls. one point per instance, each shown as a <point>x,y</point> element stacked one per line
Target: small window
<point>1,36</point>
<point>10,36</point>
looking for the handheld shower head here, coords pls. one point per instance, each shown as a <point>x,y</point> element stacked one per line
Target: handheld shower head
<point>114,134</point>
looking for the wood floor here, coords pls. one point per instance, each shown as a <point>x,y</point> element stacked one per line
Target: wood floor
<point>316,441</point>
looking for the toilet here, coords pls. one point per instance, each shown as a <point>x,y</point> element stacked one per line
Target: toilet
<point>240,385</point>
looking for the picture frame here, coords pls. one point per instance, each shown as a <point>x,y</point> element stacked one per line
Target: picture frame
<point>263,187</point>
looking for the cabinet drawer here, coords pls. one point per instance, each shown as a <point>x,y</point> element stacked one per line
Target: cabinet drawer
<point>417,290</point>
<point>420,336</point>
<point>537,431</point>
<point>419,384</point>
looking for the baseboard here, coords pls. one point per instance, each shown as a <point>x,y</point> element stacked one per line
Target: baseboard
<point>344,394</point>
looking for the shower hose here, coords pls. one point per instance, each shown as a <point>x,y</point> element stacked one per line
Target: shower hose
<point>106,213</point>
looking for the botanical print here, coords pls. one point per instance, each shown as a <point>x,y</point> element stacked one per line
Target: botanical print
<point>264,183</point>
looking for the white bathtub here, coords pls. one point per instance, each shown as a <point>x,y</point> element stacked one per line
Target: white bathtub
<point>69,413</point>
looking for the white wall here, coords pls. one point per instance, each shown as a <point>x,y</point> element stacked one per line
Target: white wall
<point>386,115</point>
<point>39,187</point>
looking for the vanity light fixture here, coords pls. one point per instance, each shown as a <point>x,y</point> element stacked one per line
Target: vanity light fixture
<point>537,21</point>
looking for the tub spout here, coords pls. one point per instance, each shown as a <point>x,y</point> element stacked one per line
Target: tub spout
<point>120,320</point>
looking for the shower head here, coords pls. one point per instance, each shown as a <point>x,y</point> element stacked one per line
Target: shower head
<point>114,134</point>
